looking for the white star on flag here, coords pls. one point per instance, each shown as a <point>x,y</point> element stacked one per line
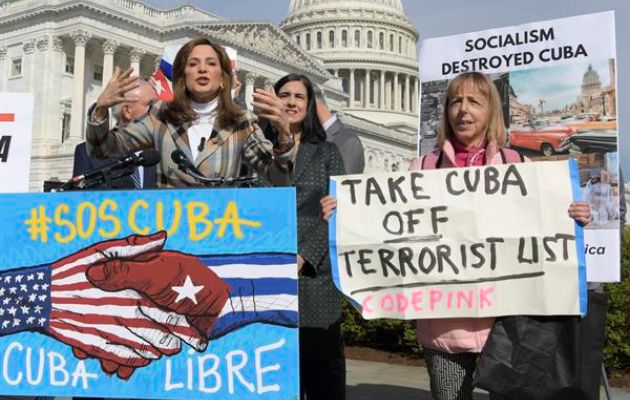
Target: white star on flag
<point>187,290</point>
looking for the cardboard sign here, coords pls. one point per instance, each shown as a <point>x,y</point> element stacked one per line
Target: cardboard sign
<point>464,242</point>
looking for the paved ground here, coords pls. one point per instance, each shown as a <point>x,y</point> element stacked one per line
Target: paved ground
<point>370,380</point>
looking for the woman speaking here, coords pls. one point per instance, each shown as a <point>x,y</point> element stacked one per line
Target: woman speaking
<point>202,122</point>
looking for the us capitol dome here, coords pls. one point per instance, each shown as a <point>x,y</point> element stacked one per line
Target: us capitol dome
<point>371,46</point>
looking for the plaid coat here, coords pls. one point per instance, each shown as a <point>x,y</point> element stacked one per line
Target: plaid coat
<point>220,157</point>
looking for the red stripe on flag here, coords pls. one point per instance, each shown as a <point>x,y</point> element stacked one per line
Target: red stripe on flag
<point>6,117</point>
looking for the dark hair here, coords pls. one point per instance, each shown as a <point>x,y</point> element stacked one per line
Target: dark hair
<point>311,128</point>
<point>179,110</point>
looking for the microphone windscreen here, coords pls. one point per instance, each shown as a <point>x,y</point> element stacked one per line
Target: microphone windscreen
<point>149,157</point>
<point>178,156</point>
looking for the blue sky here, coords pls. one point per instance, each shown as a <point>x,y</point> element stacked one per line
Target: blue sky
<point>448,17</point>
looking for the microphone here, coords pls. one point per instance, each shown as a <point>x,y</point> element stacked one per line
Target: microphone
<point>187,167</point>
<point>124,165</point>
<point>183,162</point>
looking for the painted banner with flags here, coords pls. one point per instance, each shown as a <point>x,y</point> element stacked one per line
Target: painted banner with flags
<point>155,295</point>
<point>162,78</point>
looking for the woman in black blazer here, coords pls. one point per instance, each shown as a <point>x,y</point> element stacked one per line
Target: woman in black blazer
<point>322,364</point>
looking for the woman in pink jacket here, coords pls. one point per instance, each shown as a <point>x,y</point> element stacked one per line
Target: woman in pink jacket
<point>472,134</point>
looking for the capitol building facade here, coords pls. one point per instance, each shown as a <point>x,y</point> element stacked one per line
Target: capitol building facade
<point>361,52</point>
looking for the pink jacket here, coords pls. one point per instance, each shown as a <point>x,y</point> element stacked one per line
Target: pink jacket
<point>456,335</point>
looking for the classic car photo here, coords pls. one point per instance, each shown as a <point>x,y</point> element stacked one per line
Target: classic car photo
<point>541,135</point>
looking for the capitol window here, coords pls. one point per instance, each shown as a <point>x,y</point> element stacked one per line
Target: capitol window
<point>308,41</point>
<point>344,38</point>
<point>69,65</point>
<point>319,40</point>
<point>391,42</point>
<point>400,50</point>
<point>65,126</point>
<point>381,41</point>
<point>370,39</point>
<point>16,67</point>
<point>98,73</point>
<point>357,38</point>
<point>331,39</point>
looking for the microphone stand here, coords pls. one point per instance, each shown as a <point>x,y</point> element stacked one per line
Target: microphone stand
<point>105,176</point>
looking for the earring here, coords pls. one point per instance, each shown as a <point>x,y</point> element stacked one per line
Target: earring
<point>221,85</point>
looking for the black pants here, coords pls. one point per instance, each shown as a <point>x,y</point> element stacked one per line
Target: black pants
<point>322,364</point>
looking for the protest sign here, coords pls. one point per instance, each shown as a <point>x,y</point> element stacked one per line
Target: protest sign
<point>466,242</point>
<point>16,126</point>
<point>557,81</point>
<point>152,294</point>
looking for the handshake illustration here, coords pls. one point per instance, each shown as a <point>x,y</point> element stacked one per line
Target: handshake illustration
<point>128,302</point>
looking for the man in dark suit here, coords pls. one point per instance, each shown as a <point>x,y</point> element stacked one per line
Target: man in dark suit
<point>348,143</point>
<point>143,178</point>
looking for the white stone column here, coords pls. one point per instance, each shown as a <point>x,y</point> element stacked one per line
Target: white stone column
<point>135,56</point>
<point>396,102</point>
<point>28,63</point>
<point>374,89</point>
<point>3,68</point>
<point>53,98</point>
<point>250,79</point>
<point>80,38</point>
<point>351,78</point>
<point>381,95</point>
<point>109,48</point>
<point>42,90</point>
<point>407,95</point>
<point>366,91</point>
<point>414,96</point>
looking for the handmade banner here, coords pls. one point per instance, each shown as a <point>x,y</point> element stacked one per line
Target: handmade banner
<point>466,242</point>
<point>557,81</point>
<point>16,126</point>
<point>152,294</point>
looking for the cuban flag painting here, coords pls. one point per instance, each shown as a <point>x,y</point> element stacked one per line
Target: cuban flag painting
<point>162,78</point>
<point>153,296</point>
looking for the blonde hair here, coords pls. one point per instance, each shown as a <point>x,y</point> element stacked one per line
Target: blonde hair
<point>494,132</point>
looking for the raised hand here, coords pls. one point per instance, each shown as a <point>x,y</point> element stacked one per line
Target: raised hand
<point>267,105</point>
<point>114,93</point>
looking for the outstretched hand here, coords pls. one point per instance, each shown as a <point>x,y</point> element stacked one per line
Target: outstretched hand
<point>269,106</point>
<point>114,93</point>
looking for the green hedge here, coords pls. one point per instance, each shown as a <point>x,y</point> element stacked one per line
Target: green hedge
<point>399,336</point>
<point>617,348</point>
<point>384,334</point>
